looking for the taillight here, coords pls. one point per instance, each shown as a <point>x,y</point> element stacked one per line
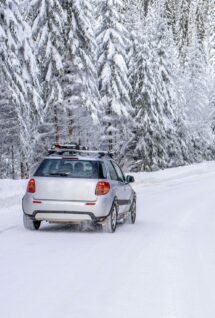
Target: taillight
<point>102,188</point>
<point>31,187</point>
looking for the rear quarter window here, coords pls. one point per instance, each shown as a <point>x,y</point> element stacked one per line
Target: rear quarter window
<point>111,170</point>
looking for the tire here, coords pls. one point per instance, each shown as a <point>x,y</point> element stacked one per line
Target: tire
<point>132,212</point>
<point>30,224</point>
<point>111,221</point>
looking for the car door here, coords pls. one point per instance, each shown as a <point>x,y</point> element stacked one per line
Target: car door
<point>124,188</point>
<point>117,183</point>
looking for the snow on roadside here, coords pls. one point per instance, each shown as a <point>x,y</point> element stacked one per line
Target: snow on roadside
<point>174,174</point>
<point>10,188</point>
<point>11,193</point>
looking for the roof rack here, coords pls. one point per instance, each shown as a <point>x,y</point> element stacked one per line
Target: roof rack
<point>75,149</point>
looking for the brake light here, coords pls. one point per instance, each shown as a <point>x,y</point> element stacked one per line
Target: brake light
<point>31,187</point>
<point>102,188</point>
<point>57,146</point>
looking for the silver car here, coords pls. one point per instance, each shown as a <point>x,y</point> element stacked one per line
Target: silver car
<point>75,186</point>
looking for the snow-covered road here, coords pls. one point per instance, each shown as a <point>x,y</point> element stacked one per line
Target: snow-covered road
<point>161,267</point>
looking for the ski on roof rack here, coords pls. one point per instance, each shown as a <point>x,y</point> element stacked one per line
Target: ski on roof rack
<point>69,146</point>
<point>74,149</point>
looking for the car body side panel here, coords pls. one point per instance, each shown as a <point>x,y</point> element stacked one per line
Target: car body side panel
<point>129,196</point>
<point>123,191</point>
<point>121,197</point>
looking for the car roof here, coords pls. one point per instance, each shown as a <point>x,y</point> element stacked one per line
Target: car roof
<point>87,158</point>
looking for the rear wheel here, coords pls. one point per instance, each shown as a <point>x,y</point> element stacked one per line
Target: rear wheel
<point>30,224</point>
<point>110,223</point>
<point>132,213</point>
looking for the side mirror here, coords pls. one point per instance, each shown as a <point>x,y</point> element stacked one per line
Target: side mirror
<point>129,179</point>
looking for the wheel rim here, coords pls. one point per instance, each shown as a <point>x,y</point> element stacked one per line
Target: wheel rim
<point>133,211</point>
<point>114,218</point>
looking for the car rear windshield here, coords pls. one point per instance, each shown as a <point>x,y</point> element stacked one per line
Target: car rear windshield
<point>71,168</point>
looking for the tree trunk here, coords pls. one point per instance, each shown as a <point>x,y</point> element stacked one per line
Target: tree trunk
<point>56,123</point>
<point>110,139</point>
<point>13,162</point>
<point>70,125</point>
<point>110,134</point>
<point>24,169</point>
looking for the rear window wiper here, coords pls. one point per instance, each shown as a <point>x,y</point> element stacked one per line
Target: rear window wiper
<point>61,174</point>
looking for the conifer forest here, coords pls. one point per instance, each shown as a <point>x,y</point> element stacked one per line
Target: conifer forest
<point>134,77</point>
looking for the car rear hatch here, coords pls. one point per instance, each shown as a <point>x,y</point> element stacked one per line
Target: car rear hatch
<point>67,179</point>
<point>63,189</point>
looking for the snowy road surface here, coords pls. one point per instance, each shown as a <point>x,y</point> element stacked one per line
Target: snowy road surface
<point>161,267</point>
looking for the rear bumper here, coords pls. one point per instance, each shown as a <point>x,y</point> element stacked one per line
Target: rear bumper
<point>65,217</point>
<point>67,211</point>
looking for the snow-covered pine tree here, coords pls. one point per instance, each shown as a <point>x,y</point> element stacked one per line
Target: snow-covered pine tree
<point>80,80</point>
<point>197,21</point>
<point>20,82</point>
<point>174,105</point>
<point>156,98</point>
<point>134,19</point>
<point>210,53</point>
<point>210,31</point>
<point>182,24</point>
<point>47,19</point>
<point>112,38</point>
<point>197,99</point>
<point>135,5</point>
<point>147,117</point>
<point>170,12</point>
<point>9,127</point>
<point>201,18</point>
<point>136,8</point>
